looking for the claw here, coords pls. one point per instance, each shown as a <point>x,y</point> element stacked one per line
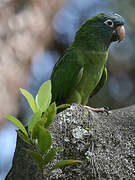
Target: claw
<point>103,109</point>
<point>107,110</point>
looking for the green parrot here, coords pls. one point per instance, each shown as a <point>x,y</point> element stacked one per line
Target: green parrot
<point>81,72</point>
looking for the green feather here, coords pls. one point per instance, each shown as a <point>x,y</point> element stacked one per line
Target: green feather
<point>100,83</point>
<point>65,79</point>
<point>81,71</point>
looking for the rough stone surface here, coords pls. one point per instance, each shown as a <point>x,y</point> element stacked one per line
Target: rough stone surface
<point>104,143</point>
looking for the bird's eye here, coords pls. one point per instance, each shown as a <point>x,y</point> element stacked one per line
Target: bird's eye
<point>109,23</point>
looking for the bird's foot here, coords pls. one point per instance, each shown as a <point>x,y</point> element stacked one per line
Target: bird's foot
<point>103,109</point>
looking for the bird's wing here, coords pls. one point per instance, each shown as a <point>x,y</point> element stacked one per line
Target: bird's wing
<point>66,74</point>
<point>101,82</point>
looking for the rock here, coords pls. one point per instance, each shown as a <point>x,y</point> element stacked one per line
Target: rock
<point>105,143</point>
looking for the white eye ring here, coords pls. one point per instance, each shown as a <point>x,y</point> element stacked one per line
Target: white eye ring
<point>109,23</point>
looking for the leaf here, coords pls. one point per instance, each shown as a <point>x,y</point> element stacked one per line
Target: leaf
<point>35,130</point>
<point>37,157</point>
<point>44,140</point>
<point>62,106</point>
<point>24,137</point>
<point>33,120</point>
<point>43,137</point>
<point>44,96</point>
<point>63,163</point>
<point>49,156</point>
<point>30,99</point>
<point>49,115</point>
<point>17,123</point>
<point>59,149</point>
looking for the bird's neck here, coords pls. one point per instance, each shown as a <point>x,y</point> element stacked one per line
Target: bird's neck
<point>92,43</point>
<point>92,38</point>
<point>92,48</point>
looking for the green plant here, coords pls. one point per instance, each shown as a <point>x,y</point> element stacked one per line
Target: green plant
<point>37,135</point>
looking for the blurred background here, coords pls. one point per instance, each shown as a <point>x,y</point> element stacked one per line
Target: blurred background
<point>52,40</point>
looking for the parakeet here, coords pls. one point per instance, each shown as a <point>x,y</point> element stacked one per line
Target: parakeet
<point>81,71</point>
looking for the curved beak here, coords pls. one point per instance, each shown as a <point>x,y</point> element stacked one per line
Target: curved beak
<point>120,31</point>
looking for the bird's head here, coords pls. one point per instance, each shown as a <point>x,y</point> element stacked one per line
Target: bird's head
<point>103,28</point>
